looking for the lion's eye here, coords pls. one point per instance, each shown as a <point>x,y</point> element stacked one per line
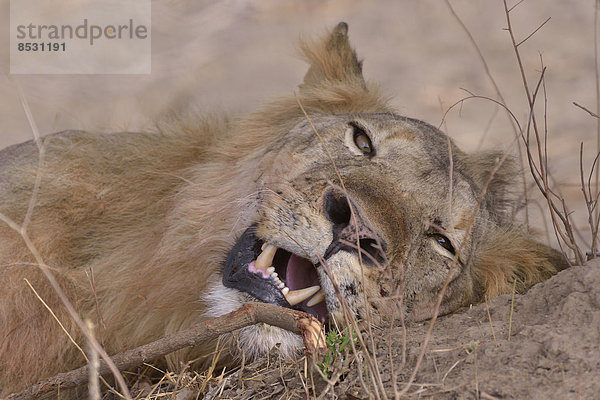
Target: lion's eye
<point>362,140</point>
<point>444,242</point>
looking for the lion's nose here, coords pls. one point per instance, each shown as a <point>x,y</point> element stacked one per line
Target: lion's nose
<point>351,229</point>
<point>337,208</point>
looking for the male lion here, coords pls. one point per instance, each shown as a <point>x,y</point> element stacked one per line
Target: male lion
<point>149,233</point>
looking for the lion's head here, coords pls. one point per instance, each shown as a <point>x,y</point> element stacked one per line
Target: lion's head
<point>358,207</point>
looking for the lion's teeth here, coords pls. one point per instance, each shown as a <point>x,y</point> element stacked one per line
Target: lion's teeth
<point>270,270</point>
<point>285,290</point>
<point>265,259</point>
<point>281,285</point>
<point>298,296</point>
<point>316,299</point>
<point>274,274</point>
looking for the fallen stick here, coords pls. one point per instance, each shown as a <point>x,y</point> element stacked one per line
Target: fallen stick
<point>298,322</point>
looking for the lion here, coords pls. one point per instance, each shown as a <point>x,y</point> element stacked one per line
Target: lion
<point>326,201</point>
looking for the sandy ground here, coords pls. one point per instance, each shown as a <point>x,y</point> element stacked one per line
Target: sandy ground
<point>547,347</point>
<point>230,55</point>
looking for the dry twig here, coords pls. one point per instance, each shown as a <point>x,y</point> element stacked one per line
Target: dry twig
<point>295,321</point>
<point>539,169</point>
<point>438,304</point>
<point>516,129</point>
<point>372,364</point>
<point>45,269</point>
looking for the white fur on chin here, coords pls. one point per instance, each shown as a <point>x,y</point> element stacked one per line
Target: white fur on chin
<point>255,340</point>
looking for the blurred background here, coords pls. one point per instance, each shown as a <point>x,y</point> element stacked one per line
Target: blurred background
<point>233,55</point>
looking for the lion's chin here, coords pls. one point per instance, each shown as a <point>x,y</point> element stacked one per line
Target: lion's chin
<point>274,275</point>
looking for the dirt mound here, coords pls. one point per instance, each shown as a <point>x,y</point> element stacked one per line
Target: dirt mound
<point>550,348</point>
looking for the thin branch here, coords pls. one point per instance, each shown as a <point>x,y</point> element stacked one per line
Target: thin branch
<point>533,33</point>
<point>511,118</point>
<point>61,294</point>
<point>589,201</point>
<point>373,365</point>
<point>540,176</point>
<point>46,270</point>
<point>487,308</point>
<point>597,81</point>
<point>58,321</point>
<point>94,363</point>
<point>515,6</point>
<point>593,114</point>
<point>252,313</point>
<point>450,178</point>
<point>485,98</point>
<point>453,265</point>
<point>41,156</point>
<point>512,308</point>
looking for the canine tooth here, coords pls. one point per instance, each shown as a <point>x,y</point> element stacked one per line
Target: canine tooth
<point>270,270</point>
<point>265,259</point>
<point>285,290</point>
<point>298,296</point>
<point>316,299</point>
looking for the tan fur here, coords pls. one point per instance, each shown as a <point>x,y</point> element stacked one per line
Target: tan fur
<point>510,258</point>
<point>137,226</point>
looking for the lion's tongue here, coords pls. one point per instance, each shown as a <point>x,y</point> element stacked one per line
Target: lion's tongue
<point>301,274</point>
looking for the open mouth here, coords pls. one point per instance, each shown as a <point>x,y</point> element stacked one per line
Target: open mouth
<point>274,275</point>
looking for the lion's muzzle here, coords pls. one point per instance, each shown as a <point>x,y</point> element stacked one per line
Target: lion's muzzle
<point>274,275</point>
<point>351,230</point>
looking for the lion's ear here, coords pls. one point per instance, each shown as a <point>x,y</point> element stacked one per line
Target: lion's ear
<point>332,61</point>
<point>511,257</point>
<point>482,166</point>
